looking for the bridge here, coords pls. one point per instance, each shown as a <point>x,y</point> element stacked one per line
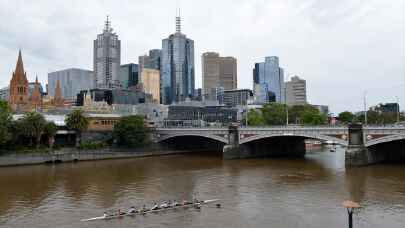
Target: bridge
<point>364,144</point>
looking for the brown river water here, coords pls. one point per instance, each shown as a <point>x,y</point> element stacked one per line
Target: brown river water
<point>253,192</point>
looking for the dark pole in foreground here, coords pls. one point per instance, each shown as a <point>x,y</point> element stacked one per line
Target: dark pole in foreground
<point>350,213</point>
<point>350,206</point>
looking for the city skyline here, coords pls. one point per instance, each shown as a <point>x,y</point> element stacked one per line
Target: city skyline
<point>336,68</point>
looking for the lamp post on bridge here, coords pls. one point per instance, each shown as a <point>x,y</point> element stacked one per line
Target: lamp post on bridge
<point>398,112</point>
<point>365,107</point>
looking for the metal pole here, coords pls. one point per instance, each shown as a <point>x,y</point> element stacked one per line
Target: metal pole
<point>247,112</point>
<point>285,102</point>
<point>350,213</point>
<point>365,108</point>
<point>398,112</point>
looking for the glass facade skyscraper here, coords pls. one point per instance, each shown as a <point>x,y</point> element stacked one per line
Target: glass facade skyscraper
<point>129,75</point>
<point>177,67</point>
<point>151,61</point>
<point>268,78</point>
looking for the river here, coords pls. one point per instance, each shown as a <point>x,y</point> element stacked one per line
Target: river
<point>254,192</point>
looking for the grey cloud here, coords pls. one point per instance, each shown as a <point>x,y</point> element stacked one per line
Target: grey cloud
<point>340,47</point>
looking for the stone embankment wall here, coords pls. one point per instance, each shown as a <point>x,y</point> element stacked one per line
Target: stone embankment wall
<point>73,155</point>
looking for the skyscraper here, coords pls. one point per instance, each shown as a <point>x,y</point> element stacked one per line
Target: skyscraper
<point>177,67</point>
<point>218,72</point>
<point>129,75</point>
<point>151,61</point>
<point>107,58</point>
<point>150,79</point>
<point>268,77</point>
<point>296,91</point>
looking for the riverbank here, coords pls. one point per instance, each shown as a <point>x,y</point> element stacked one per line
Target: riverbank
<point>75,155</point>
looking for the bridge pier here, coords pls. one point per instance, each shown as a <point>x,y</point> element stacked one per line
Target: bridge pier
<point>232,149</point>
<point>357,154</point>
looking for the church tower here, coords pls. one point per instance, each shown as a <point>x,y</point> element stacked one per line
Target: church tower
<point>19,98</point>
<point>58,99</point>
<point>36,97</point>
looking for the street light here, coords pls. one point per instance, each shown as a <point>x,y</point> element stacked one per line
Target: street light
<point>285,103</point>
<point>365,107</point>
<point>350,206</point>
<point>398,112</point>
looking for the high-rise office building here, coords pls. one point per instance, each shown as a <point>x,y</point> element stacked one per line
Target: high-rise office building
<point>129,75</point>
<point>218,72</point>
<point>107,58</point>
<point>150,80</point>
<point>237,97</point>
<point>296,91</point>
<point>268,76</point>
<point>177,67</point>
<point>4,93</point>
<point>151,61</point>
<point>72,81</point>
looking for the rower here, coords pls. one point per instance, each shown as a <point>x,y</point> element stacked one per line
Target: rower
<point>155,207</point>
<point>105,215</point>
<point>164,205</point>
<point>131,210</point>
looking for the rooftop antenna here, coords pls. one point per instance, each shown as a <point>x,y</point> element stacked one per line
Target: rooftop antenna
<point>178,22</point>
<point>107,24</point>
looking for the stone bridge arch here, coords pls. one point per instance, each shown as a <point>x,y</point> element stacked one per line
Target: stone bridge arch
<point>218,138</point>
<point>386,139</point>
<point>303,135</point>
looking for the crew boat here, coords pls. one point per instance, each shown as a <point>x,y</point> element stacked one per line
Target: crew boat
<point>155,208</point>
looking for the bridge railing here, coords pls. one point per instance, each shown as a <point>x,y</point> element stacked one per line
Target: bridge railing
<point>255,127</point>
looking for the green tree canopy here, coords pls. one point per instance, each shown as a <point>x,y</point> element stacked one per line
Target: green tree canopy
<point>296,113</point>
<point>5,123</point>
<point>346,117</point>
<point>33,126</point>
<point>314,118</point>
<point>50,131</point>
<point>274,114</point>
<point>255,118</point>
<point>130,131</point>
<point>78,122</point>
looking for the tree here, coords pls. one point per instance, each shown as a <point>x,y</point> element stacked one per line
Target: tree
<point>131,131</point>
<point>5,122</point>
<point>50,131</point>
<point>274,114</point>
<point>296,113</point>
<point>255,118</point>
<point>33,126</point>
<point>78,122</point>
<point>346,117</point>
<point>314,118</point>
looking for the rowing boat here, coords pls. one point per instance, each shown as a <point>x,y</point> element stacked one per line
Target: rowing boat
<point>149,211</point>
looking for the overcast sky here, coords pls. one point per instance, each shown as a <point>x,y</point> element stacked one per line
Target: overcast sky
<point>341,47</point>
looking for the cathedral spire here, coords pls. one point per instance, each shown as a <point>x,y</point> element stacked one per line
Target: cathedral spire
<point>58,99</point>
<point>19,86</point>
<point>19,69</point>
<point>36,96</point>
